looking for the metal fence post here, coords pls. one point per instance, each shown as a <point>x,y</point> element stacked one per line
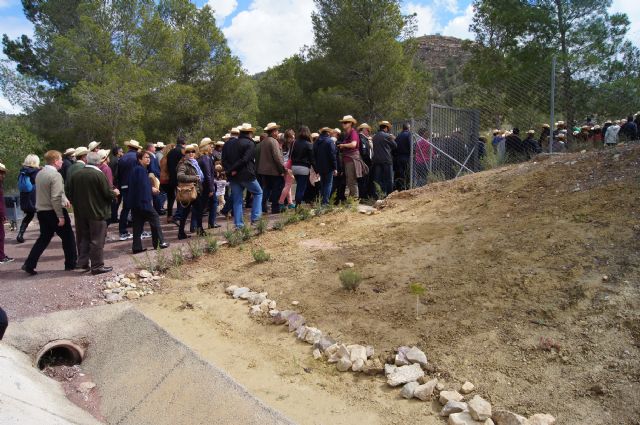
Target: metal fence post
<point>411,154</point>
<point>553,106</point>
<point>431,138</point>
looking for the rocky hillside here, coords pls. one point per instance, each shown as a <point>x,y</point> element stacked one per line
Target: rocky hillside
<point>438,51</point>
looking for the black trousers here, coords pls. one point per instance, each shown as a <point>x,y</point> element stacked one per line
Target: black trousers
<point>170,190</point>
<point>139,218</point>
<point>28,216</point>
<point>49,227</point>
<point>4,322</point>
<point>271,189</point>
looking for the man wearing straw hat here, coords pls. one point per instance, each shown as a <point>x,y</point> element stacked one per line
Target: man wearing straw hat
<point>238,160</point>
<point>81,159</point>
<point>154,167</point>
<point>94,146</point>
<point>383,146</point>
<point>271,167</point>
<point>53,217</point>
<point>125,167</point>
<point>67,161</point>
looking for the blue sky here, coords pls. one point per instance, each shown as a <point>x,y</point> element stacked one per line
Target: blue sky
<point>263,32</point>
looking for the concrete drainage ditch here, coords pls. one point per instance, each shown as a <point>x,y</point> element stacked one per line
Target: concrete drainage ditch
<point>143,374</point>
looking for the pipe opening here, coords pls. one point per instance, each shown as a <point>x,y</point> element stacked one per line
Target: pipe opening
<point>59,353</point>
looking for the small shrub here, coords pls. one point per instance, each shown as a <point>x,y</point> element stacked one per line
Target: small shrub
<point>304,213</point>
<point>177,257</point>
<point>351,203</point>
<point>350,279</point>
<point>260,255</point>
<point>195,247</point>
<point>245,233</point>
<point>379,192</point>
<point>278,225</point>
<point>261,226</point>
<point>291,218</point>
<point>436,176</point>
<point>144,263</point>
<point>238,236</point>
<point>210,244</point>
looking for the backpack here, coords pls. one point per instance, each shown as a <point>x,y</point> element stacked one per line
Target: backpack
<point>24,183</point>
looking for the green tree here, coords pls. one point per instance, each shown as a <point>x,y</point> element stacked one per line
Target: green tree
<point>17,143</point>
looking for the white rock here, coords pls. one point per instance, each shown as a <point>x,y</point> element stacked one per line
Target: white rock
<point>425,392</point>
<point>401,357</point>
<point>132,295</point>
<point>389,368</point>
<point>85,387</point>
<point>239,291</point>
<point>467,388</point>
<point>408,389</point>
<point>357,352</point>
<point>446,396</point>
<point>317,354</point>
<point>230,289</point>
<point>301,332</point>
<point>439,386</point>
<point>295,302</point>
<point>370,351</point>
<point>255,310</point>
<point>274,313</point>
<point>272,305</point>
<point>463,418</point>
<point>415,355</point>
<point>257,298</point>
<point>405,374</point>
<point>349,265</point>
<point>542,419</point>
<point>125,281</point>
<point>344,364</point>
<point>479,408</point>
<point>145,274</point>
<point>313,335</point>
<point>325,342</point>
<point>113,298</point>
<point>453,407</point>
<point>358,365</point>
<point>504,417</point>
<point>247,295</point>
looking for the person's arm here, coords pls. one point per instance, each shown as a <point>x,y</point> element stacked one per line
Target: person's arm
<point>353,143</point>
<point>57,195</point>
<point>334,156</point>
<point>391,141</point>
<point>106,193</point>
<point>183,177</point>
<point>277,157</point>
<point>312,160</point>
<point>247,156</point>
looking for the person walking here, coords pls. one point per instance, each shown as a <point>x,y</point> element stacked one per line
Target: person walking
<point>68,158</point>
<point>91,196</point>
<point>208,196</point>
<point>154,168</point>
<point>189,171</point>
<point>140,200</point>
<point>116,154</point>
<point>271,167</point>
<point>126,164</point>
<point>365,187</point>
<point>301,162</point>
<point>238,160</point>
<point>81,160</point>
<point>326,163</point>
<point>354,167</point>
<point>173,158</point>
<point>611,136</point>
<point>402,156</point>
<point>4,258</point>
<point>383,146</point>
<point>27,188</point>
<point>51,206</point>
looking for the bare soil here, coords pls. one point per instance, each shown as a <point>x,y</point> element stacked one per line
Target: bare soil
<point>532,294</point>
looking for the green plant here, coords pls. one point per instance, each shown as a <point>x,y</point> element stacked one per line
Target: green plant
<point>238,236</point>
<point>196,248</point>
<point>291,218</point>
<point>245,233</point>
<point>260,255</point>
<point>278,225</point>
<point>350,279</point>
<point>436,176</point>
<point>177,257</point>
<point>261,226</point>
<point>210,244</point>
<point>379,192</point>
<point>351,203</point>
<point>304,213</point>
<point>417,289</point>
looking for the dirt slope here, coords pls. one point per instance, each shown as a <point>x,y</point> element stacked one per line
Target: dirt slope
<point>509,257</point>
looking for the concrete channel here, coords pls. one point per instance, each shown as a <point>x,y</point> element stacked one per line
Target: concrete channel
<point>144,375</point>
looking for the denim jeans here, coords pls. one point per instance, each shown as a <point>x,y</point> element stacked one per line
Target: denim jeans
<point>383,175</point>
<point>213,209</point>
<point>326,184</point>
<point>237,189</point>
<point>301,186</point>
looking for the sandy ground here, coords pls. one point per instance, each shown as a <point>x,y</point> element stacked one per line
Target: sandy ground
<point>514,261</point>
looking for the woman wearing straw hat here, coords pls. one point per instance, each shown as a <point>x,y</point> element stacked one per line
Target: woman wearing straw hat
<point>354,167</point>
<point>4,258</point>
<point>208,196</point>
<point>27,187</point>
<point>189,171</point>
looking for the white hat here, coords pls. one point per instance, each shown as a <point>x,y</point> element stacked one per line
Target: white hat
<point>271,126</point>
<point>364,125</point>
<point>384,123</point>
<point>226,136</point>
<point>205,142</point>
<point>314,135</point>
<point>324,129</point>
<point>220,143</point>
<point>192,147</point>
<point>104,154</point>
<point>133,144</point>
<point>81,151</point>
<point>2,167</point>
<point>69,152</point>
<point>337,130</point>
<point>349,118</point>
<point>256,139</point>
<point>235,130</point>
<point>246,128</point>
<point>93,145</point>
<point>531,132</point>
<point>160,145</point>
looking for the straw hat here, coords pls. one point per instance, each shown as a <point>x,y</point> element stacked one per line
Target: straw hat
<point>596,127</point>
<point>531,132</point>
<point>607,122</point>
<point>324,129</point>
<point>93,145</point>
<point>385,123</point>
<point>226,137</point>
<point>364,125</point>
<point>560,123</point>
<point>69,152</point>
<point>220,143</point>
<point>205,142</point>
<point>160,145</point>
<point>191,148</point>
<point>132,144</point>
<point>256,139</point>
<point>246,128</point>
<point>104,154</point>
<point>546,126</point>
<point>3,168</point>
<point>561,136</point>
<point>349,118</point>
<point>235,130</point>
<point>314,136</point>
<point>271,126</point>
<point>337,130</point>
<point>81,151</point>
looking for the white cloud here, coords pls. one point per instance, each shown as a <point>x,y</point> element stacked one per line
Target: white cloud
<point>629,7</point>
<point>450,5</point>
<point>425,18</point>
<point>7,107</point>
<point>269,31</point>
<point>222,8</point>
<point>459,26</point>
<point>5,3</point>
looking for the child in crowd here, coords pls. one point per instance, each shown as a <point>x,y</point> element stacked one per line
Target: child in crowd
<point>221,186</point>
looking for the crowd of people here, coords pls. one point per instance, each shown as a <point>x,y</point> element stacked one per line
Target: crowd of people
<point>194,182</point>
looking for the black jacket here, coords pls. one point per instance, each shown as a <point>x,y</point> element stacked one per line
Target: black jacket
<point>239,155</point>
<point>302,153</point>
<point>66,163</point>
<point>324,154</point>
<point>173,158</point>
<point>383,147</point>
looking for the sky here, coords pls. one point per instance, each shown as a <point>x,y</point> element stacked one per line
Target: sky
<point>264,32</point>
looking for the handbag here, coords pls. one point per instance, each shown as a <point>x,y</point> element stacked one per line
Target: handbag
<point>186,193</point>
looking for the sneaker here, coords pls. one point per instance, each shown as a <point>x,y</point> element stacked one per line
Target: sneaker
<point>145,235</point>
<point>125,236</point>
<point>6,260</point>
